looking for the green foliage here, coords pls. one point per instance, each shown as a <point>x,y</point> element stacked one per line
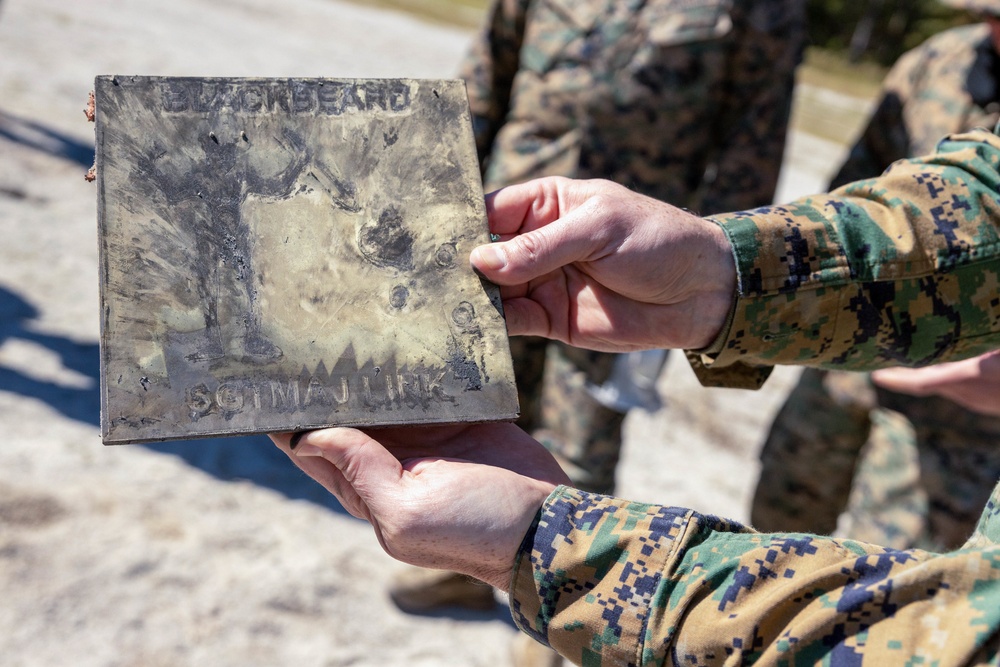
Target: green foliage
<point>877,30</point>
<point>465,13</point>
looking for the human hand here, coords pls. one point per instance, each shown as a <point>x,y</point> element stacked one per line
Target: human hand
<point>458,498</point>
<point>972,383</point>
<point>597,266</point>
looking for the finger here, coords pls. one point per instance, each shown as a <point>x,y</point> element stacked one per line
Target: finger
<point>989,363</point>
<point>901,380</point>
<point>294,440</point>
<point>576,237</point>
<point>565,307</point>
<point>323,472</point>
<point>525,317</point>
<point>927,380</point>
<point>543,224</point>
<point>368,468</point>
<point>519,208</point>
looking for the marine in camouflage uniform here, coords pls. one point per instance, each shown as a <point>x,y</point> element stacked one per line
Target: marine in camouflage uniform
<point>899,270</point>
<point>684,101</point>
<point>906,471</point>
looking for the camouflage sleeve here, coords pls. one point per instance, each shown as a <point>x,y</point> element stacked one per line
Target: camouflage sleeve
<point>885,139</point>
<point>903,269</point>
<point>489,69</point>
<point>766,46</point>
<point>610,582</point>
<point>987,532</point>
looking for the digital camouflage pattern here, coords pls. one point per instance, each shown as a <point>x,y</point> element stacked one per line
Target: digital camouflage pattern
<point>684,101</point>
<point>925,474</point>
<point>831,279</point>
<point>946,85</point>
<point>584,436</point>
<point>808,459</point>
<point>921,467</point>
<point>905,471</point>
<point>610,582</point>
<point>650,94</point>
<point>899,270</point>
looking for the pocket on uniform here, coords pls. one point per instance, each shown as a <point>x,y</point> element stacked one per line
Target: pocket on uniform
<point>673,22</point>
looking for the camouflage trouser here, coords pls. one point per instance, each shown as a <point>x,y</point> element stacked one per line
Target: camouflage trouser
<point>556,407</point>
<point>894,470</point>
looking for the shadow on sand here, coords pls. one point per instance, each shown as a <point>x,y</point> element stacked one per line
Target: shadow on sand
<point>46,140</point>
<point>250,458</point>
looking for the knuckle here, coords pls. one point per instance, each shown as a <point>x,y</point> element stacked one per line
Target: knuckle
<point>529,246</point>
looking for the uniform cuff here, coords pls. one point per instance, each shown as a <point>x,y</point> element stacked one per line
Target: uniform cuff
<point>730,373</point>
<point>589,572</point>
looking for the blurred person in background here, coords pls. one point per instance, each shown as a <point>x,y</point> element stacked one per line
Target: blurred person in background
<point>685,102</point>
<point>897,469</point>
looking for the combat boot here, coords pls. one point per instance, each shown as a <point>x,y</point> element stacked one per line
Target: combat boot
<point>418,590</point>
<point>526,652</point>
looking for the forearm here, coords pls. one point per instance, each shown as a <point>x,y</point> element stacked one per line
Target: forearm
<point>605,581</point>
<point>572,589</point>
<point>860,279</point>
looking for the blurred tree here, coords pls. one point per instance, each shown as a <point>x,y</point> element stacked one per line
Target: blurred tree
<point>877,30</point>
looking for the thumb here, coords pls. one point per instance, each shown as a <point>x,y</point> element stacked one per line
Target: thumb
<point>573,238</point>
<point>366,468</point>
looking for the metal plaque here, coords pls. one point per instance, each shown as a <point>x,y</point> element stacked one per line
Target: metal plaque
<point>285,254</point>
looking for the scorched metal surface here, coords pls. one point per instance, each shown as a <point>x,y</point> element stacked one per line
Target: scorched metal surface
<point>281,254</point>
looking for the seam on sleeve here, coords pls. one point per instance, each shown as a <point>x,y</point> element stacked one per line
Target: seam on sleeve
<point>690,518</point>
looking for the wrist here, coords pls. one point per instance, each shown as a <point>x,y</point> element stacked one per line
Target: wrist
<point>718,281</point>
<point>498,567</point>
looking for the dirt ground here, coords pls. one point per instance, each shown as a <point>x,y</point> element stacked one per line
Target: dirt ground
<point>220,552</point>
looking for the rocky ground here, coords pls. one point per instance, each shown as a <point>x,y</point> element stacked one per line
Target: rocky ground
<point>220,553</point>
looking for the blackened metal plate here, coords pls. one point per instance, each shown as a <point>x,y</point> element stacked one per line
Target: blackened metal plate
<point>283,254</point>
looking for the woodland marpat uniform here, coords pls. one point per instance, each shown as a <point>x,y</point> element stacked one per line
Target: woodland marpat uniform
<point>685,101</point>
<point>902,268</point>
<point>899,270</point>
<point>944,480</point>
<point>906,471</point>
<point>610,582</point>
<point>847,458</point>
<point>947,84</point>
<point>651,95</point>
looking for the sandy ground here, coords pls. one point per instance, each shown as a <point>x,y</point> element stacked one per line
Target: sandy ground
<point>221,553</point>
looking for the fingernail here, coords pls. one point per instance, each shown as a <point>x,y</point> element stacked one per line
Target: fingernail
<point>309,450</point>
<point>489,257</point>
<point>294,442</point>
